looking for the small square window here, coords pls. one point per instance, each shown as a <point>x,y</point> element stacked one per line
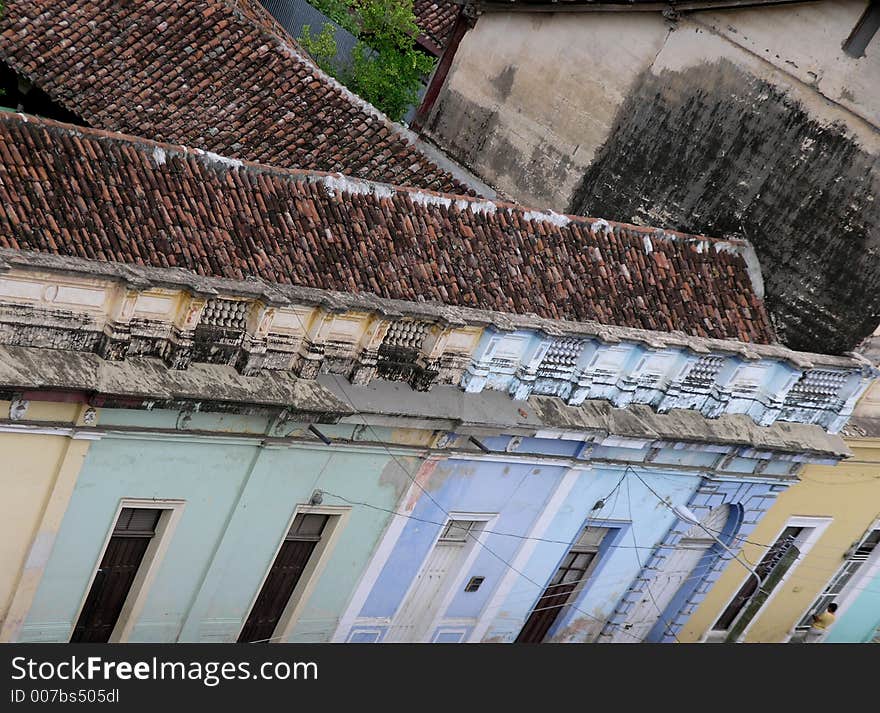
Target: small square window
<point>307,527</point>
<point>590,538</point>
<point>474,584</point>
<point>457,530</point>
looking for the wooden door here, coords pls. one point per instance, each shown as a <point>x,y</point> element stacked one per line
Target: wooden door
<point>570,577</point>
<point>119,566</point>
<point>423,602</point>
<point>412,622</point>
<point>284,575</point>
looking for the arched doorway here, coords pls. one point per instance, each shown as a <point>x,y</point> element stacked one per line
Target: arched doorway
<point>687,565</point>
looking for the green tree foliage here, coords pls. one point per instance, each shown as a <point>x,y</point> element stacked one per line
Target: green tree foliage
<point>321,47</point>
<point>386,68</point>
<point>340,11</point>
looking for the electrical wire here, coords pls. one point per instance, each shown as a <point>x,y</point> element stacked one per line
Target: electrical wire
<point>508,601</point>
<point>750,568</point>
<point>591,519</point>
<point>487,532</point>
<point>632,529</point>
<point>614,491</point>
<point>485,547</point>
<point>740,554</point>
<point>742,539</point>
<point>724,556</point>
<point>425,492</point>
<point>446,512</point>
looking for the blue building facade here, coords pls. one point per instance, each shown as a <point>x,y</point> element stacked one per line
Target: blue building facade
<point>529,503</point>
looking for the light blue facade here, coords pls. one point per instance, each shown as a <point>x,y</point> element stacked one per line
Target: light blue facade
<point>545,491</point>
<point>719,378</point>
<point>239,495</point>
<point>747,500</point>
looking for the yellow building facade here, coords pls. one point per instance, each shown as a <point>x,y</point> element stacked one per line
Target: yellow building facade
<point>43,446</point>
<point>837,509</point>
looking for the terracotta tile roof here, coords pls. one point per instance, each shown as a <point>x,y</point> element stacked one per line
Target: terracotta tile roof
<point>435,18</point>
<point>215,74</point>
<point>93,194</point>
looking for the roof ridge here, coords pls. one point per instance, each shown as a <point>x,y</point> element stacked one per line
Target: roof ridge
<point>354,185</point>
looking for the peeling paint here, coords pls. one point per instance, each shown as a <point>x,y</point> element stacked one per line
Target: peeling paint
<point>560,221</point>
<point>422,478</point>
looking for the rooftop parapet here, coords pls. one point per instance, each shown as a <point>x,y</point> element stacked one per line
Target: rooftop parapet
<point>121,311</point>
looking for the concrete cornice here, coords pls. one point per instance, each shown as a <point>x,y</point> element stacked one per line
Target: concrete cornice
<point>141,278</point>
<point>144,383</point>
<point>113,312</point>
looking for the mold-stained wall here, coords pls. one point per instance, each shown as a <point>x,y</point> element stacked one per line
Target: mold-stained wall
<point>527,115</point>
<point>238,499</point>
<point>748,122</point>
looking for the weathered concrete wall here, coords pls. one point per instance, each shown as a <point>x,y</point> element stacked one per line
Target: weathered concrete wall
<point>751,123</point>
<point>527,114</point>
<point>164,341</point>
<point>728,147</point>
<point>806,42</point>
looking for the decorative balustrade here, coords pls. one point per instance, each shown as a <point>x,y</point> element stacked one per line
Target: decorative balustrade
<point>575,369</point>
<point>121,312</point>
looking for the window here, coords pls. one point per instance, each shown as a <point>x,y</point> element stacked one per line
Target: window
<point>132,534</point>
<point>457,530</point>
<point>568,580</point>
<point>839,581</point>
<point>749,600</point>
<point>864,31</point>
<point>290,562</point>
<point>474,584</point>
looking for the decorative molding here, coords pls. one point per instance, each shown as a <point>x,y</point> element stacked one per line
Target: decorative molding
<point>119,312</point>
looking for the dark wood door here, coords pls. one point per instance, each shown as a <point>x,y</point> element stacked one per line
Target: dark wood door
<point>568,577</point>
<point>109,589</point>
<point>279,585</point>
<point>131,536</point>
